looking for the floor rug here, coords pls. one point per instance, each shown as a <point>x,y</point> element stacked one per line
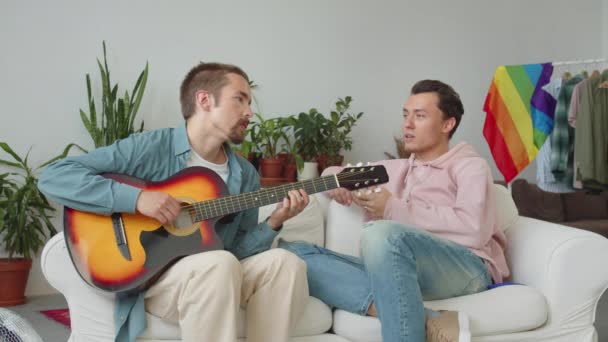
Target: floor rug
<point>59,315</point>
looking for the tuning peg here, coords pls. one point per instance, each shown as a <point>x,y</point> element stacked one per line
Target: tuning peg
<point>349,165</point>
<point>368,164</point>
<point>359,164</point>
<point>377,189</point>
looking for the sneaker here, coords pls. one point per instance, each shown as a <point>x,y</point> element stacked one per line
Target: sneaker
<point>448,326</point>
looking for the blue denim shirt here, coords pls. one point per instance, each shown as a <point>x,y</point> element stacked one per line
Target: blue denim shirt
<point>154,156</point>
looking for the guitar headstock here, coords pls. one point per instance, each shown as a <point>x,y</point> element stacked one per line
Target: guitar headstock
<point>358,177</point>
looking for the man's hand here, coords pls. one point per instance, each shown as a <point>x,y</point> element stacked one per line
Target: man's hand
<point>342,196</point>
<point>158,206</point>
<point>373,201</point>
<point>291,206</point>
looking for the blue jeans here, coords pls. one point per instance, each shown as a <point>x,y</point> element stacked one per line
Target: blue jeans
<point>400,266</point>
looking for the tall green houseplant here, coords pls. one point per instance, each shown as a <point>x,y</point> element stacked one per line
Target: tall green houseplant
<point>117,114</point>
<point>24,224</point>
<point>25,212</point>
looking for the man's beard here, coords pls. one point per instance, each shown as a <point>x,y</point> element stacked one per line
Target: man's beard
<point>236,139</point>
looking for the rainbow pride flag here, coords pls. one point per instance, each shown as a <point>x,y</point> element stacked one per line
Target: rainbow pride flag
<point>509,129</point>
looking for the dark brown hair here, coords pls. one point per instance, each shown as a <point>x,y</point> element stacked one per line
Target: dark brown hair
<point>449,100</point>
<point>206,76</point>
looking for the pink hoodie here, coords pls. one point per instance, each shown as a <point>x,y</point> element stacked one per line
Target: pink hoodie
<point>451,197</point>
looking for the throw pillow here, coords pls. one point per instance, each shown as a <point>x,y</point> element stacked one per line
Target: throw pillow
<point>306,226</point>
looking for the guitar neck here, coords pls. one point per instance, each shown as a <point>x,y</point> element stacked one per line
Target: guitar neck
<point>237,203</point>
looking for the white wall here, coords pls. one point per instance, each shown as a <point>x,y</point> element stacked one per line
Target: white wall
<point>605,30</point>
<point>302,54</point>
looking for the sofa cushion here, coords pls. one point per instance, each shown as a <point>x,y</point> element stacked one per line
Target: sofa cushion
<point>596,226</point>
<point>506,211</point>
<point>306,226</point>
<point>533,202</point>
<point>316,319</point>
<point>344,226</point>
<point>503,316</point>
<point>582,206</point>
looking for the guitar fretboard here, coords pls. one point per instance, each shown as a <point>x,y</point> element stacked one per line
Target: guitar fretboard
<point>205,210</point>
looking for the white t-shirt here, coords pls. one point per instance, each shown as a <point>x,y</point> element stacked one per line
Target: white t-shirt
<point>220,169</point>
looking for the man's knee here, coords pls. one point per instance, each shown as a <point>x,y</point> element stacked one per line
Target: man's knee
<point>287,261</point>
<point>380,238</point>
<point>220,265</point>
<point>375,234</point>
<point>299,248</point>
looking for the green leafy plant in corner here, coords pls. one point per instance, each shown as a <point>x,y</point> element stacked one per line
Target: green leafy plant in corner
<point>308,131</point>
<point>268,133</point>
<point>117,114</point>
<point>339,127</point>
<point>24,211</point>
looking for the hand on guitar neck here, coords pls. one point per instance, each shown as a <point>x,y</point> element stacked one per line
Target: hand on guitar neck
<point>165,209</point>
<point>291,206</point>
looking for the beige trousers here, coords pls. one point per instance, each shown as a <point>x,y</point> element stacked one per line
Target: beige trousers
<point>203,293</point>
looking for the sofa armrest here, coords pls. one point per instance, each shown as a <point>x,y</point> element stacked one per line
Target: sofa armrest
<point>91,310</point>
<point>565,264</point>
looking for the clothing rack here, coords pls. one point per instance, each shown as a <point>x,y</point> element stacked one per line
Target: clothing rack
<point>565,66</point>
<point>585,61</point>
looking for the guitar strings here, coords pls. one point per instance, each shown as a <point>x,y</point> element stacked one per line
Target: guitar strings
<point>308,185</point>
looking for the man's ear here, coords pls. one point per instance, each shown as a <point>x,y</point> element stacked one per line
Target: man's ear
<point>204,100</point>
<point>448,125</point>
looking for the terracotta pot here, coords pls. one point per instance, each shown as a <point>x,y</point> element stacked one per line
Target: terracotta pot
<point>272,168</point>
<point>325,161</point>
<point>285,157</point>
<point>290,171</point>
<point>13,278</point>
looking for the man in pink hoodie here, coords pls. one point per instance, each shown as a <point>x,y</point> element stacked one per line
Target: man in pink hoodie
<point>431,232</point>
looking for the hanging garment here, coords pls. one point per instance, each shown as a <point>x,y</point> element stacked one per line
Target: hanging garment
<point>575,103</point>
<point>562,137</point>
<point>508,128</point>
<point>545,179</point>
<point>591,139</point>
<point>572,113</point>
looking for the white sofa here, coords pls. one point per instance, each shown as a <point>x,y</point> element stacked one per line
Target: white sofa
<point>561,270</point>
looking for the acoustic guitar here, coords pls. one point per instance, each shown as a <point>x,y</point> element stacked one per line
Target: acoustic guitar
<point>126,253</point>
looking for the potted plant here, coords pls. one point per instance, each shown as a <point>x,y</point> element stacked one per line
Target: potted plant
<point>309,133</point>
<point>117,114</point>
<point>24,224</point>
<point>337,134</point>
<point>402,152</point>
<point>268,133</point>
<point>293,161</point>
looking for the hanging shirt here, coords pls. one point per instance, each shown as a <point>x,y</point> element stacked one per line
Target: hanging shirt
<point>572,113</point>
<point>545,179</point>
<point>575,103</point>
<point>562,135</point>
<point>591,140</point>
